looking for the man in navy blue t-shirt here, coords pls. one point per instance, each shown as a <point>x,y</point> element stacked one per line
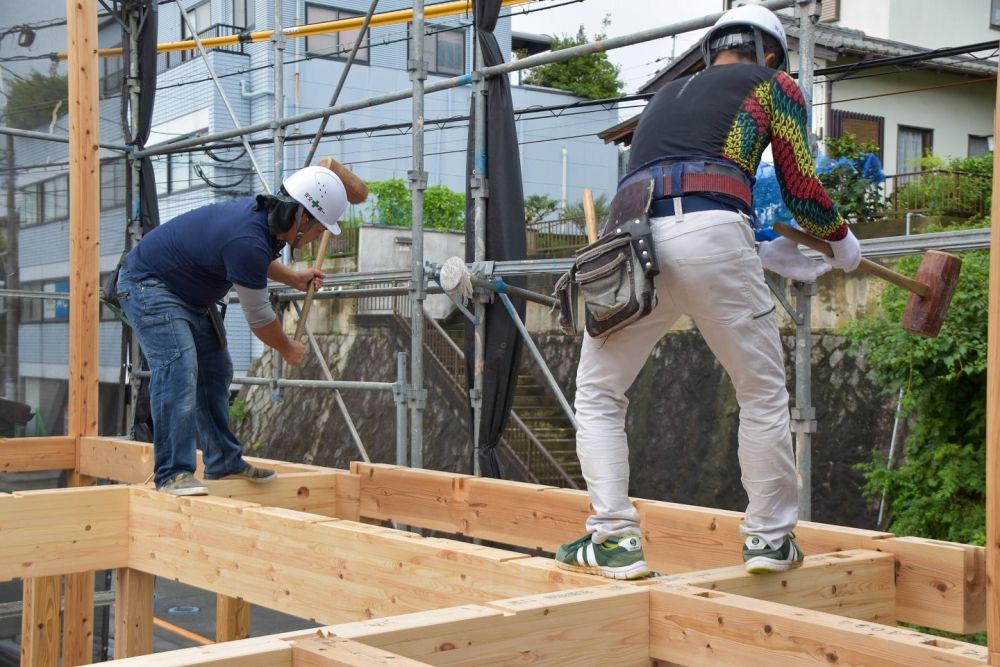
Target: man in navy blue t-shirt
<point>169,288</point>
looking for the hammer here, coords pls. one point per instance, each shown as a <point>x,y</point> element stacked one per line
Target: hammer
<point>357,192</point>
<point>930,292</point>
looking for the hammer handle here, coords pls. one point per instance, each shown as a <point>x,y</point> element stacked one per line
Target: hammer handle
<point>868,266</point>
<point>311,291</point>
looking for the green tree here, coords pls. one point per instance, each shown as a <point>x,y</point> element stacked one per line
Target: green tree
<point>937,489</point>
<point>30,101</point>
<point>392,205</point>
<point>538,207</point>
<point>592,76</point>
<point>853,178</point>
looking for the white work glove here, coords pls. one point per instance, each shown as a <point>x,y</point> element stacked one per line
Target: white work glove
<point>846,253</point>
<point>782,256</point>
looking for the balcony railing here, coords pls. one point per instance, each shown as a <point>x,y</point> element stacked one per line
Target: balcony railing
<point>556,238</point>
<point>165,61</point>
<point>938,192</point>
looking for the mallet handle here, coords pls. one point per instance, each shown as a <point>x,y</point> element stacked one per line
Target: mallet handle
<point>311,291</point>
<point>868,266</point>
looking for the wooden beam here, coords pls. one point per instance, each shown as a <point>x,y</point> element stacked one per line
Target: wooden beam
<point>339,652</point>
<point>40,621</point>
<point>992,413</point>
<point>692,626</point>
<point>133,613</point>
<point>36,454</point>
<point>940,583</point>
<point>311,492</point>
<point>574,627</point>
<point>78,619</point>
<point>85,216</point>
<point>325,570</point>
<point>56,531</point>
<point>232,618</point>
<point>856,584</point>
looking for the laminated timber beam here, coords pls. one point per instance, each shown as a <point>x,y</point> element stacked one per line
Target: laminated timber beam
<point>665,623</point>
<point>37,454</point>
<point>939,584</point>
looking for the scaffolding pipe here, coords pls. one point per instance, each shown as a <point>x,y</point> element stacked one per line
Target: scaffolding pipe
<point>399,394</point>
<point>309,30</point>
<point>346,385</point>
<point>418,183</point>
<point>530,344</point>
<point>477,181</point>
<point>446,84</point>
<point>44,136</point>
<point>277,151</point>
<point>803,414</point>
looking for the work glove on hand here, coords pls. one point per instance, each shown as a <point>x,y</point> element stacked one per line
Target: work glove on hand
<point>846,253</point>
<point>782,256</point>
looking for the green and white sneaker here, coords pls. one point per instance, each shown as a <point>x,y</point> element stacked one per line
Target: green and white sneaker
<point>760,558</point>
<point>616,558</point>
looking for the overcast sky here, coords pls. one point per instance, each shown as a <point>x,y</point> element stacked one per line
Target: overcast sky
<point>638,63</point>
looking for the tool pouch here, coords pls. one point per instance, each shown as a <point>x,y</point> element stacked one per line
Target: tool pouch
<point>615,273</point>
<point>109,290</point>
<point>217,324</point>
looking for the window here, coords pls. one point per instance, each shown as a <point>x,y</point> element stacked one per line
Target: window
<point>333,44</point>
<point>113,183</point>
<point>44,201</point>
<point>109,37</point>
<point>912,144</point>
<point>243,13</point>
<point>995,14</point>
<point>444,49</point>
<point>979,145</point>
<point>201,18</point>
<point>863,126</point>
<point>45,310</point>
<point>174,173</point>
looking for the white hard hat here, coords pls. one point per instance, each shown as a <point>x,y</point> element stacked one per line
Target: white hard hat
<point>760,20</point>
<point>321,192</point>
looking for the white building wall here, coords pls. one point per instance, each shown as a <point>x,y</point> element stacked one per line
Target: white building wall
<point>928,23</point>
<point>953,113</point>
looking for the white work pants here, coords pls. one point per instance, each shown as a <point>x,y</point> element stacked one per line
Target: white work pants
<point>709,270</point>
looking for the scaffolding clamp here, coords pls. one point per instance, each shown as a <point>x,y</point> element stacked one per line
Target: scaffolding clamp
<point>416,398</point>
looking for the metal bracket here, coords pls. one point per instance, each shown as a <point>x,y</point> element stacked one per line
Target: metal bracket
<point>416,70</point>
<point>418,179</point>
<point>484,269</point>
<point>416,398</point>
<point>811,8</point>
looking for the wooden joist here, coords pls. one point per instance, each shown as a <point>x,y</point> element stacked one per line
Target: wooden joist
<point>693,626</point>
<point>939,584</point>
<point>325,570</point>
<point>58,531</point>
<point>40,621</point>
<point>37,454</point>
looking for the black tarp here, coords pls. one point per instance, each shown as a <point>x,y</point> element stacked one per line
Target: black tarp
<point>146,208</point>
<point>505,240</point>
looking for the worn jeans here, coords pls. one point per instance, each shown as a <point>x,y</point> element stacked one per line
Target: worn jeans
<point>709,270</point>
<point>190,376</point>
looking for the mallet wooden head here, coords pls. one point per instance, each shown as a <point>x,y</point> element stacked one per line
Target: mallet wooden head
<point>930,291</point>
<point>926,312</point>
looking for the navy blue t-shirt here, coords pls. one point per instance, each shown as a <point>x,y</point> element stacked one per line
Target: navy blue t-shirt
<point>201,253</point>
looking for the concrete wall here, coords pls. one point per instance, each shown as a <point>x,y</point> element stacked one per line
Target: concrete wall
<point>382,248</point>
<point>925,22</point>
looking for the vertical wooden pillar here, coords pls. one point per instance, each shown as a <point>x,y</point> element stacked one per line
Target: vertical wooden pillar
<point>40,622</point>
<point>84,285</point>
<point>993,415</point>
<point>232,619</point>
<point>78,619</point>
<point>133,613</point>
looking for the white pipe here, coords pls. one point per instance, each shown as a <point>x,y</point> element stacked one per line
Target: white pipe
<point>251,95</point>
<point>565,173</point>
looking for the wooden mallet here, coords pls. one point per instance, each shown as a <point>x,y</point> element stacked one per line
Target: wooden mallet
<point>930,292</point>
<point>357,192</point>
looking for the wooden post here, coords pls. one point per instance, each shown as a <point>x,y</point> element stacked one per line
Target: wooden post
<point>232,618</point>
<point>40,622</point>
<point>78,619</point>
<point>992,416</point>
<point>590,214</point>
<point>133,613</point>
<point>84,311</point>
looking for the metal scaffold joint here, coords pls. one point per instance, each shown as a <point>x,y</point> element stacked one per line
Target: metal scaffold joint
<point>416,70</point>
<point>416,398</point>
<point>418,179</point>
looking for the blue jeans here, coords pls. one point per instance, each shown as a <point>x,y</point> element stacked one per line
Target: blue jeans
<point>189,389</point>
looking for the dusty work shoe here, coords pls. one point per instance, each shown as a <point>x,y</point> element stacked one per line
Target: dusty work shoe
<point>183,484</point>
<point>760,558</point>
<point>615,558</point>
<point>250,474</point>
